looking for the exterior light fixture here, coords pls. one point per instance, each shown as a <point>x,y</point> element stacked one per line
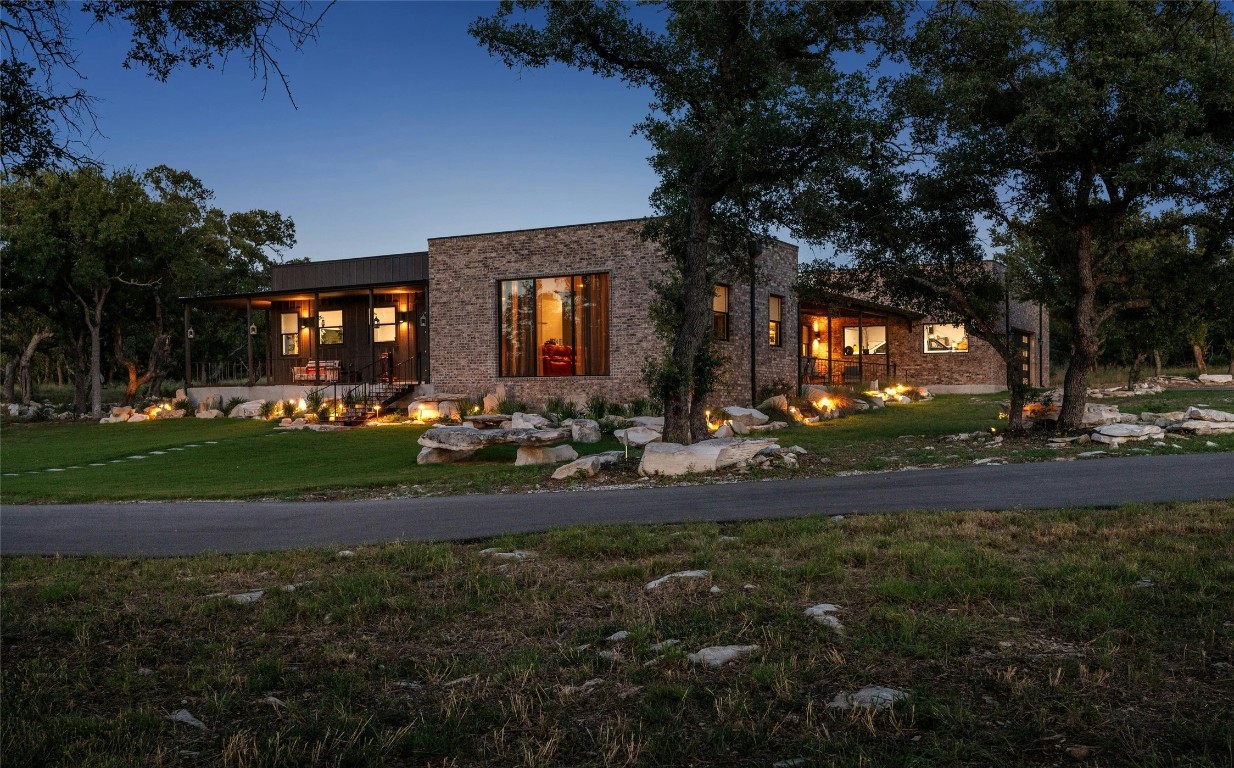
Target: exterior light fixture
<point>253,330</point>
<point>191,334</point>
<point>307,321</point>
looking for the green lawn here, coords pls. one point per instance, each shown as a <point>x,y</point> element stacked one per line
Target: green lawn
<point>247,459</point>
<point>1069,637</point>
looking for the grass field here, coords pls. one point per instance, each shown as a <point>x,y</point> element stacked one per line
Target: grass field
<point>1071,637</point>
<point>78,461</point>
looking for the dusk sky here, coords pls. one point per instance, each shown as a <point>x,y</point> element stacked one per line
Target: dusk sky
<point>406,129</point>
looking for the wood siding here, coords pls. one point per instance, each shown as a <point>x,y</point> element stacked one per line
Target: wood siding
<point>350,273</point>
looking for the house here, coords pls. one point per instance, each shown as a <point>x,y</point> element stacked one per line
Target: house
<point>565,312</point>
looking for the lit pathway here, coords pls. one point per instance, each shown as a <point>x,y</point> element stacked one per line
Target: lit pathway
<point>169,528</point>
<point>135,457</point>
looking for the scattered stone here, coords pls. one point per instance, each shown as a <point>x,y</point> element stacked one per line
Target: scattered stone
<point>989,461</point>
<point>345,553</point>
<point>528,421</point>
<point>442,456</point>
<point>247,597</point>
<point>1210,444</point>
<point>1117,434</point>
<point>274,702</point>
<point>768,427</point>
<point>678,575</point>
<point>1144,583</point>
<point>587,465</point>
<point>618,636</point>
<point>460,681</point>
<point>534,455</point>
<point>837,518</point>
<point>145,671</point>
<point>569,690</point>
<point>774,403</point>
<point>719,655</point>
<point>490,403</point>
<point>517,554</point>
<point>724,430</point>
<point>585,431</point>
<point>822,613</point>
<point>749,587</point>
<point>664,645</point>
<point>747,417</point>
<point>209,413</point>
<point>728,538</point>
<point>637,437</point>
<point>249,410</point>
<point>467,440</point>
<point>1097,414</point>
<point>672,459</point>
<point>138,417</point>
<point>715,590</point>
<point>609,655</point>
<point>792,762</point>
<point>1216,378</point>
<point>875,697</point>
<point>186,717</point>
<point>876,402</point>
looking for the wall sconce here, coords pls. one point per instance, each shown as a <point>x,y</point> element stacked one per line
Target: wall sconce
<point>404,317</point>
<point>192,334</point>
<point>308,321</point>
<point>252,330</point>
<point>424,320</point>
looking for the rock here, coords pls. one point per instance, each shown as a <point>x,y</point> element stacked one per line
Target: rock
<point>664,644</point>
<point>122,410</point>
<point>490,403</point>
<point>797,449</point>
<point>715,590</point>
<point>822,613</point>
<point>1207,414</point>
<point>747,417</point>
<point>209,413</point>
<point>1200,427</point>
<point>769,426</point>
<point>1216,378</point>
<point>249,410</point>
<point>211,403</point>
<point>531,455</point>
<point>284,422</point>
<point>678,575</point>
<point>719,655</point>
<point>447,410</point>
<point>775,402</point>
<point>872,696</point>
<point>175,413</point>
<point>671,459</point>
<point>181,395</point>
<point>468,438</point>
<point>618,636</point>
<point>442,456</point>
<point>247,597</point>
<point>1096,414</point>
<point>903,399</point>
<point>569,690</point>
<point>738,428</point>
<point>516,554</point>
<point>637,437</point>
<point>588,465</point>
<point>344,553</point>
<point>651,422</point>
<point>585,431</point>
<point>136,417</point>
<point>1210,444</point>
<point>1089,454</point>
<point>528,421</point>
<point>876,402</point>
<point>186,717</point>
<point>724,431</point>
<point>1117,434</point>
<point>277,703</point>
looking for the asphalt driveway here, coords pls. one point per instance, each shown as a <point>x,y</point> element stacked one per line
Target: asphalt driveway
<point>176,528</point>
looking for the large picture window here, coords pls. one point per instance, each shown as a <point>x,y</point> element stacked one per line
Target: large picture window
<point>554,326</point>
<point>384,329</point>
<point>775,322</point>
<point>289,327</point>
<point>945,338</point>
<point>719,313</point>
<point>873,340</point>
<point>330,327</point>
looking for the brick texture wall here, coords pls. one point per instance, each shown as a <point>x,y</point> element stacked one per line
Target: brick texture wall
<point>464,273</point>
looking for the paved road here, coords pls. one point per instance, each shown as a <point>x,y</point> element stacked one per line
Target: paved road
<point>192,527</point>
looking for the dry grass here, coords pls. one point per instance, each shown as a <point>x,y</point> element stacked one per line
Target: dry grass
<point>1022,638</point>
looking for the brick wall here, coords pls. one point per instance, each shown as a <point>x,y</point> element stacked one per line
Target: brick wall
<point>464,273</point>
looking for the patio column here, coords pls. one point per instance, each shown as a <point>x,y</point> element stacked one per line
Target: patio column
<point>188,355</point>
<point>372,348</point>
<point>861,340</point>
<point>830,311</point>
<point>315,340</point>
<point>887,325</point>
<point>248,329</point>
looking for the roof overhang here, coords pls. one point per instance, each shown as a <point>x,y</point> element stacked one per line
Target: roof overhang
<point>266,299</point>
<point>828,301</point>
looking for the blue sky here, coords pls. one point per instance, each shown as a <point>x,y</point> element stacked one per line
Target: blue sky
<point>406,129</point>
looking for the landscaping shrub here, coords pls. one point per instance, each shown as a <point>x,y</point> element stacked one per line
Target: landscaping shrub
<point>509,406</point>
<point>289,408</point>
<point>599,406</point>
<point>183,404</point>
<point>314,400</point>
<point>645,406</point>
<point>323,414</point>
<point>232,403</point>
<point>267,408</point>
<point>561,409</point>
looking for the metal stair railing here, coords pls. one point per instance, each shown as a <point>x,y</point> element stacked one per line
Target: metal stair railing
<point>380,384</point>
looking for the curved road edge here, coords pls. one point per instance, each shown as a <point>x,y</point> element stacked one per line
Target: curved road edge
<point>182,528</point>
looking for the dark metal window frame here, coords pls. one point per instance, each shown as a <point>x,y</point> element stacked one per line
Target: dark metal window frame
<point>608,322</point>
<point>776,323</point>
<point>320,328</point>
<point>861,331</point>
<point>374,325</point>
<point>283,336</point>
<point>925,340</point>
<point>715,315</point>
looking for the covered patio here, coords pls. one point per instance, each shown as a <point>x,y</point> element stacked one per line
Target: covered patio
<point>848,341</point>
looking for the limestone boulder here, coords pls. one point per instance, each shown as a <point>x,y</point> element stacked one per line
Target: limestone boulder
<point>136,417</point>
<point>814,392</point>
<point>587,466</point>
<point>637,437</point>
<point>122,411</point>
<point>174,413</point>
<point>1097,414</point>
<point>650,422</point>
<point>468,438</point>
<point>672,459</point>
<point>528,421</point>
<point>1208,414</point>
<point>1201,427</point>
<point>447,410</point>
<point>442,456</point>
<point>211,403</point>
<point>876,401</point>
<point>584,431</point>
<point>487,420</point>
<point>490,403</point>
<point>533,455</point>
<point>1117,434</point>
<point>724,431</point>
<point>1216,378</point>
<point>875,697</point>
<point>775,402</point>
<point>719,655</point>
<point>209,413</point>
<point>249,410</point>
<point>747,417</point>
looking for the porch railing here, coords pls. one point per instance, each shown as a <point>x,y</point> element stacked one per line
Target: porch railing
<point>377,385</point>
<point>850,373</point>
<point>226,371</point>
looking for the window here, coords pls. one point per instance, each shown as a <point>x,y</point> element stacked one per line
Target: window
<point>873,340</point>
<point>289,326</point>
<point>945,338</point>
<point>775,318</point>
<point>719,313</point>
<point>384,328</point>
<point>330,326</point>
<point>554,326</point>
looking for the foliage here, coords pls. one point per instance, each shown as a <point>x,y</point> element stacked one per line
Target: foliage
<point>561,409</point>
<point>268,408</point>
<point>599,406</point>
<point>48,117</point>
<point>289,408</point>
<point>752,117</point>
<point>644,406</point>
<point>314,400</point>
<point>1073,130</point>
<point>183,404</point>
<point>510,406</point>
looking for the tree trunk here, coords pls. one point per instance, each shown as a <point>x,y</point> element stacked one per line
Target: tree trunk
<point>1198,352</point>
<point>6,392</point>
<point>1015,394</point>
<point>1157,363</point>
<point>81,375</point>
<point>696,320</point>
<point>23,367</point>
<point>1084,345</point>
<point>134,380</point>
<point>1134,375</point>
